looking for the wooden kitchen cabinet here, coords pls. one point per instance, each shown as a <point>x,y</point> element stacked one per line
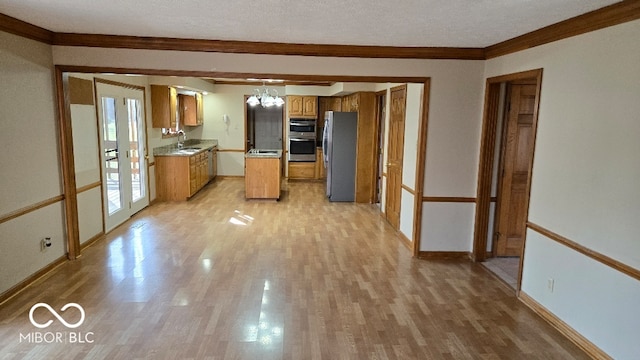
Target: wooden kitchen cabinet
<point>164,100</point>
<point>191,109</point>
<point>326,103</point>
<point>319,168</point>
<point>302,106</point>
<point>181,177</point>
<point>262,178</point>
<point>302,170</point>
<point>188,110</point>
<point>199,109</point>
<point>366,161</point>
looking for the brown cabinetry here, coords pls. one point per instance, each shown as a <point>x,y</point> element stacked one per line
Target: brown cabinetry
<point>191,110</point>
<point>327,103</point>
<point>302,170</point>
<point>319,169</point>
<point>350,103</point>
<point>262,178</point>
<point>366,170</point>
<point>163,106</point>
<point>199,109</point>
<point>180,177</point>
<point>302,106</point>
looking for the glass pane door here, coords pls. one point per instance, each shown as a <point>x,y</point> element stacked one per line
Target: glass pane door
<point>135,149</point>
<point>111,155</point>
<point>137,161</point>
<point>121,113</point>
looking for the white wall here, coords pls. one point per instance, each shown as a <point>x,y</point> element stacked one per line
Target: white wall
<point>30,165</point>
<point>413,117</point>
<point>453,143</point>
<point>84,125</point>
<point>585,181</point>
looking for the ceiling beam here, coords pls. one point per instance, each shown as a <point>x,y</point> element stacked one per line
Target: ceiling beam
<point>24,29</point>
<point>270,48</point>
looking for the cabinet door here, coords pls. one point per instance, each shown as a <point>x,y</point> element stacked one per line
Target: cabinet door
<point>193,174</point>
<point>295,105</point>
<point>335,104</point>
<point>310,106</point>
<point>199,109</point>
<point>188,110</point>
<point>163,106</point>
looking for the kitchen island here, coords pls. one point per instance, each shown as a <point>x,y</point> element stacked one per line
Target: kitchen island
<point>263,174</point>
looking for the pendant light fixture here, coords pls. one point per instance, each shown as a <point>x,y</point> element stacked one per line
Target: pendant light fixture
<point>265,97</point>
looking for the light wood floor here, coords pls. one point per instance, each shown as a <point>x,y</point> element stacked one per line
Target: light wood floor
<point>219,277</point>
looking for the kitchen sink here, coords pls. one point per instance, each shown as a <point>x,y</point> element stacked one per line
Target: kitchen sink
<point>188,151</point>
<point>191,148</point>
<point>263,152</point>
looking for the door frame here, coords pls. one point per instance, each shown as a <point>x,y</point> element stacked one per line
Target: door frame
<point>488,156</point>
<point>379,138</point>
<point>65,132</point>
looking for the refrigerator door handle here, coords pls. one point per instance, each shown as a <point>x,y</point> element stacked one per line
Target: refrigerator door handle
<point>325,156</point>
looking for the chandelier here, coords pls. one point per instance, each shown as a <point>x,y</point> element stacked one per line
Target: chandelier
<point>265,97</point>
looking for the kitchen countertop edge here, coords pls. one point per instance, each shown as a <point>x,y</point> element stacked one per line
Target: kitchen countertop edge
<point>173,150</point>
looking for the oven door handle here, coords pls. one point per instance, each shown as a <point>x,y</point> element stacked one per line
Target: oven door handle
<point>302,124</point>
<point>308,139</point>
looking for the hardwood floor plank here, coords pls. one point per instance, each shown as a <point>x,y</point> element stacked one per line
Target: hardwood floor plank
<point>219,277</point>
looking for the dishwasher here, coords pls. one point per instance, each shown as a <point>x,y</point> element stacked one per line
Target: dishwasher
<point>211,163</point>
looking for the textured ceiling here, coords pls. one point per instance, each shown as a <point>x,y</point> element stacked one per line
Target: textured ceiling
<point>423,23</point>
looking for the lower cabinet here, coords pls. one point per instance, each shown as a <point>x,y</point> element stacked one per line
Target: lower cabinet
<point>320,170</point>
<point>302,170</point>
<point>262,178</point>
<point>180,177</point>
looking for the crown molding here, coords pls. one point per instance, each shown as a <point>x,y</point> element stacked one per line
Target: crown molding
<point>618,13</point>
<point>270,48</point>
<point>24,29</point>
<point>615,14</point>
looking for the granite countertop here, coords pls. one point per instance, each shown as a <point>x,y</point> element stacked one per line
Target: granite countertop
<point>263,153</point>
<point>191,147</point>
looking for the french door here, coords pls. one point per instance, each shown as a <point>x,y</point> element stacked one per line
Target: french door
<point>123,152</point>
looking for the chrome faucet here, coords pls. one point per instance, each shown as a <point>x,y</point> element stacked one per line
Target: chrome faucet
<point>184,138</point>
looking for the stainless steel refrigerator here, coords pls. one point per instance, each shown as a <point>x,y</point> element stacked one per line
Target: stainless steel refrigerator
<point>339,152</point>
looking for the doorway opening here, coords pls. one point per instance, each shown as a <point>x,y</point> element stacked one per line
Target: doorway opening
<point>504,176</point>
<point>264,127</point>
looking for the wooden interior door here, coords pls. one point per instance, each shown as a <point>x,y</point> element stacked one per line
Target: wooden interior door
<point>394,155</point>
<point>517,153</point>
<point>381,116</point>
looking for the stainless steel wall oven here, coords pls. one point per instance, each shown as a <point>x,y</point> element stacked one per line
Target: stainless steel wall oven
<point>302,140</point>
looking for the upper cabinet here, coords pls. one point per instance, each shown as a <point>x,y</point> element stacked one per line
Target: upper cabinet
<point>191,110</point>
<point>199,109</point>
<point>302,106</point>
<point>350,102</point>
<point>327,103</point>
<point>163,106</point>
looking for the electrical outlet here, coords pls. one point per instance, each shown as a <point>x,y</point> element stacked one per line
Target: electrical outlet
<point>550,284</point>
<point>45,243</point>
